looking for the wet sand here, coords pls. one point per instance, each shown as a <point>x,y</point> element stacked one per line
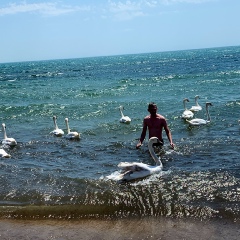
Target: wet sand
<point>118,229</point>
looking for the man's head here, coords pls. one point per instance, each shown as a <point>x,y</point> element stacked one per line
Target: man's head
<point>152,108</point>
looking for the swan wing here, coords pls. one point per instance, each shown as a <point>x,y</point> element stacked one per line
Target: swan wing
<point>135,170</point>
<point>133,175</point>
<point>73,135</point>
<point>130,175</point>
<point>125,119</point>
<point>9,141</point>
<point>195,108</point>
<point>197,121</point>
<point>133,166</point>
<point>57,132</point>
<point>187,114</point>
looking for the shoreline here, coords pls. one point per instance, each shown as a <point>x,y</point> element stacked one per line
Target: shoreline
<point>147,228</point>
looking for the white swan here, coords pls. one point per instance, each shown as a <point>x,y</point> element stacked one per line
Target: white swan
<point>186,113</point>
<point>3,154</point>
<point>135,170</point>
<point>71,135</point>
<point>6,140</point>
<point>199,121</point>
<point>124,119</point>
<point>197,107</point>
<point>57,131</point>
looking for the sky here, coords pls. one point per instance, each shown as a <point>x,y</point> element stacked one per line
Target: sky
<point>32,30</point>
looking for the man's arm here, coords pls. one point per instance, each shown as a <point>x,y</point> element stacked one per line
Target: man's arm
<point>143,135</point>
<point>169,135</point>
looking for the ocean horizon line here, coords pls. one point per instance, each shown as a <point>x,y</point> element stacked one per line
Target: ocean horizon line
<point>115,55</point>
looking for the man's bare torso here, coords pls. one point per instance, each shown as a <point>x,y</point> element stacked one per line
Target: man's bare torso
<point>155,125</point>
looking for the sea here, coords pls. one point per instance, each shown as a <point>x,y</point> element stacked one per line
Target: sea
<point>50,177</point>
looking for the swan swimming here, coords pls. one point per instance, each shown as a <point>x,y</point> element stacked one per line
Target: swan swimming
<point>197,107</point>
<point>57,131</point>
<point>135,170</point>
<point>199,121</point>
<point>4,154</point>
<point>71,135</point>
<point>124,119</point>
<point>186,113</point>
<point>6,140</point>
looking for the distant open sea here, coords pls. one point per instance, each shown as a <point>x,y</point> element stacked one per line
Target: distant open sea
<point>53,178</point>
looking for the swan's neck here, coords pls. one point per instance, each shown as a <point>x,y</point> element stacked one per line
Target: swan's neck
<point>208,115</point>
<point>4,132</point>
<point>121,112</point>
<point>55,123</point>
<point>184,105</point>
<point>68,129</point>
<point>154,156</point>
<point>196,101</point>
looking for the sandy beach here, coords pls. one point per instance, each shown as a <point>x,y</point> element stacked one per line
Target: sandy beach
<point>119,229</point>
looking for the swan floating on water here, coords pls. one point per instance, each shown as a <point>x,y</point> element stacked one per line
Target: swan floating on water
<point>6,140</point>
<point>124,119</point>
<point>135,170</point>
<point>197,107</point>
<point>71,135</point>
<point>4,154</point>
<point>199,121</point>
<point>57,131</point>
<point>186,113</point>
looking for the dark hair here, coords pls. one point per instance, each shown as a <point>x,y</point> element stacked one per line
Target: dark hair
<point>151,105</point>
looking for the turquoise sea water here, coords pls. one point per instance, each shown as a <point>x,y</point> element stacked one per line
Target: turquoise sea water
<point>49,177</point>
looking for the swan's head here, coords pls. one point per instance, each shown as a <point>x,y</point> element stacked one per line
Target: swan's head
<point>185,100</point>
<point>154,140</point>
<point>66,119</point>
<point>54,117</point>
<point>121,108</point>
<point>3,125</point>
<point>208,104</point>
<point>197,97</point>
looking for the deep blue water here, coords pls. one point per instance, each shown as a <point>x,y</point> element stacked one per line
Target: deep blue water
<point>50,177</point>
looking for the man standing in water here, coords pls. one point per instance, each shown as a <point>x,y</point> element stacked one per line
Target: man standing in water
<point>155,124</point>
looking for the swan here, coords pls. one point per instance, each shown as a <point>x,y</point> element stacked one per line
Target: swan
<point>135,170</point>
<point>3,154</point>
<point>6,140</point>
<point>57,131</point>
<point>71,135</point>
<point>186,113</point>
<point>199,121</point>
<point>124,119</point>
<point>197,107</point>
